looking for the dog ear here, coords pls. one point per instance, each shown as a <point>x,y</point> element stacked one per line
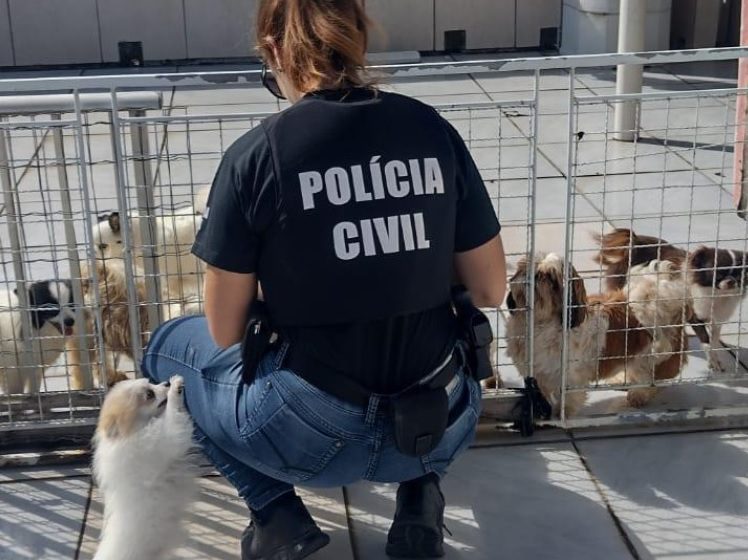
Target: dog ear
<point>109,426</point>
<point>700,258</point>
<point>510,303</point>
<point>577,304</point>
<point>114,222</point>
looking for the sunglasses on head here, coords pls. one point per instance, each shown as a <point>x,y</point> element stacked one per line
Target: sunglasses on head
<point>270,82</point>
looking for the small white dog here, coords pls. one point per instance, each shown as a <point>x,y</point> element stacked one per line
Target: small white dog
<point>174,234</point>
<point>142,466</point>
<point>51,321</point>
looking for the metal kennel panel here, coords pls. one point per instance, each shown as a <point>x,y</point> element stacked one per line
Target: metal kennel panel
<point>51,173</point>
<point>672,183</point>
<point>149,163</point>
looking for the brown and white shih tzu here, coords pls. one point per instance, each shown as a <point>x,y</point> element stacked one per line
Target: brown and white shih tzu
<point>716,279</point>
<point>636,330</point>
<point>143,469</point>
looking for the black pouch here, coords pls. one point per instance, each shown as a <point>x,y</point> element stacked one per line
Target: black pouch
<point>256,341</point>
<point>420,418</point>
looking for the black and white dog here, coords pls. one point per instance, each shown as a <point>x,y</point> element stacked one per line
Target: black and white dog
<point>25,355</point>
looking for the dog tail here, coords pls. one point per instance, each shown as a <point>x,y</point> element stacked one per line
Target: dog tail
<point>622,248</point>
<point>615,246</point>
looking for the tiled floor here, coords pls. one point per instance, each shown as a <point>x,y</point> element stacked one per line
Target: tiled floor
<point>656,496</point>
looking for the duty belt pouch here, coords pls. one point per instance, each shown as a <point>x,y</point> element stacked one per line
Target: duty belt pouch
<point>256,340</point>
<point>420,417</point>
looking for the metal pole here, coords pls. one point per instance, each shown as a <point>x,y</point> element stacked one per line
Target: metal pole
<point>6,182</point>
<point>740,172</point>
<point>72,250</point>
<point>631,27</point>
<point>127,245</point>
<point>147,221</point>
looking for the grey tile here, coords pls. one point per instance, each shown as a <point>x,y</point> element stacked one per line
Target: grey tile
<point>26,474</point>
<point>436,86</point>
<point>678,496</point>
<point>41,27</point>
<point>42,519</point>
<point>505,502</point>
<point>217,519</point>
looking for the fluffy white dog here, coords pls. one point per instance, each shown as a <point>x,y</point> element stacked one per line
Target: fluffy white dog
<point>142,466</point>
<point>25,355</point>
<point>180,271</point>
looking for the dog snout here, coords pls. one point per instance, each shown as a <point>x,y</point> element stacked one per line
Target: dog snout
<point>728,283</point>
<point>69,322</point>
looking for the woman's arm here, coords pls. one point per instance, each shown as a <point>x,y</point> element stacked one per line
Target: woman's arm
<point>483,272</point>
<point>228,296</point>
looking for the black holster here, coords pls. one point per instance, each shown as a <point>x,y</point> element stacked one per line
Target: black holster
<point>475,333</point>
<point>420,419</point>
<point>256,341</point>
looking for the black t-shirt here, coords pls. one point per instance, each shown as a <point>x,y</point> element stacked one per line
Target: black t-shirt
<point>349,207</point>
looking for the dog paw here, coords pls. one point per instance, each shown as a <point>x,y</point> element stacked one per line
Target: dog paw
<point>640,397</point>
<point>176,384</point>
<point>715,365</point>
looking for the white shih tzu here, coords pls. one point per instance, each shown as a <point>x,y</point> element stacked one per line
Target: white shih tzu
<point>142,466</point>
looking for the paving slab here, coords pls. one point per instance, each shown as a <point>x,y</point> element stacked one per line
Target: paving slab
<point>677,496</point>
<point>42,518</point>
<point>528,501</point>
<point>217,519</point>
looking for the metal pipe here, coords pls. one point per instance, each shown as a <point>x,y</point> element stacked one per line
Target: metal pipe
<point>146,219</point>
<point>740,171</point>
<point>65,103</point>
<point>72,250</point>
<point>629,77</point>
<point>17,251</point>
<point>133,308</point>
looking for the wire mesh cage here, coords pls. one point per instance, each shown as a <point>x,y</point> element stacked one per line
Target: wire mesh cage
<point>103,194</point>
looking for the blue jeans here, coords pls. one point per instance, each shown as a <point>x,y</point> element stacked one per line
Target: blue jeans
<point>280,431</point>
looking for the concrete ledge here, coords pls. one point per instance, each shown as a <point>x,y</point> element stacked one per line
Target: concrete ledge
<point>394,57</point>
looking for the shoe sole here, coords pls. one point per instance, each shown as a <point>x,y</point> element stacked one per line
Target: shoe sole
<point>414,541</point>
<point>319,541</point>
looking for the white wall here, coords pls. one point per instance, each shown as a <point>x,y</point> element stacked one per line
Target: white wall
<point>161,30</point>
<point>54,31</point>
<point>88,31</point>
<point>489,23</point>
<point>220,28</point>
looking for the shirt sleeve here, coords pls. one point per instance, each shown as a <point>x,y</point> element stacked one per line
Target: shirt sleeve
<point>225,239</point>
<point>476,218</point>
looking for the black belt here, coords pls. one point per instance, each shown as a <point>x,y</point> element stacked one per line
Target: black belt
<point>349,390</point>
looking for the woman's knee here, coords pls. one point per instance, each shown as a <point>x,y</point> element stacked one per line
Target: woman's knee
<point>175,340</point>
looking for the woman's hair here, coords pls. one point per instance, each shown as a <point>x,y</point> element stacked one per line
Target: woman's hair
<point>321,43</point>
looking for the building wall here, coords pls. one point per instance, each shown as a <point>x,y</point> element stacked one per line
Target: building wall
<point>49,32</point>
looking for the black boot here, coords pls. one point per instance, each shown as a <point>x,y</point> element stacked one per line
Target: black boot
<point>286,532</point>
<point>416,531</point>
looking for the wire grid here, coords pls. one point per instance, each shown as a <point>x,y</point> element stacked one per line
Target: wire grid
<point>43,229</point>
<point>501,140</point>
<point>674,183</point>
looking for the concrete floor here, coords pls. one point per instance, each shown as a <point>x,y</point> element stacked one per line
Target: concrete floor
<point>556,495</point>
<point>550,497</point>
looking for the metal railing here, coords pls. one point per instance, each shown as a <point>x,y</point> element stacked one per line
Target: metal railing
<point>546,136</point>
